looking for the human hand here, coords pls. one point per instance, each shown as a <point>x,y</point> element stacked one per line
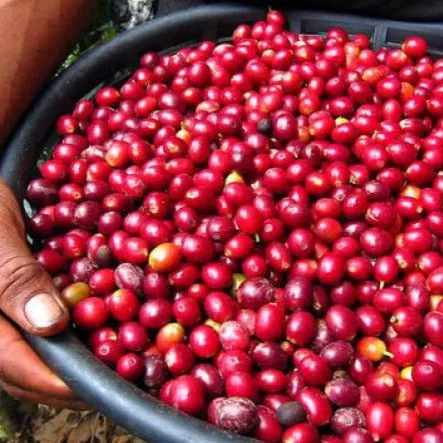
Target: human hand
<point>28,297</point>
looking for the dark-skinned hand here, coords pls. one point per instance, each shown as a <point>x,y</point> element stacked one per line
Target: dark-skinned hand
<point>30,300</point>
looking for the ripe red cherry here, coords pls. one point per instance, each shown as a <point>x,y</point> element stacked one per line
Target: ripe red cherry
<point>298,293</point>
<point>404,351</point>
<point>381,386</point>
<point>254,293</point>
<point>429,406</point>
<point>301,432</point>
<point>199,74</point>
<point>316,404</point>
<point>248,219</point>
<point>156,285</point>
<point>134,250</point>
<point>268,429</point>
<point>271,380</point>
<point>204,341</point>
<point>184,276</point>
<point>387,300</point>
<point>90,313</point>
<point>187,311</point>
<point>407,393</point>
<point>315,370</point>
<point>155,313</point>
<point>133,336</point>
<point>239,246</point>
<point>407,321</point>
<point>301,328</point>
<point>219,306</point>
<point>123,305</point>
<point>376,242</point>
<point>129,366</point>
<point>254,266</point>
<point>331,268</point>
<point>210,378</point>
<point>179,358</point>
<point>187,394</point>
<point>241,384</point>
<point>380,420</point>
<point>337,354</point>
<point>216,275</point>
<point>269,322</point>
<point>102,335</point>
<point>386,269</point>
<point>371,321</point>
<point>432,353</point>
<point>66,125</point>
<point>415,46</point>
<point>427,375</point>
<point>229,362</point>
<point>197,249</point>
<point>342,322</point>
<point>109,351</point>
<point>52,261</point>
<point>102,281</point>
<point>301,242</point>
<point>431,435</point>
<point>432,327</point>
<point>359,435</point>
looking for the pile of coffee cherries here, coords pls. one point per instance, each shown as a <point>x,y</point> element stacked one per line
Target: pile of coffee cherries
<point>253,232</point>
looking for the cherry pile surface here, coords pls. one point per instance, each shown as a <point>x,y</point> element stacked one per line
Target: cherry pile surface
<point>253,232</point>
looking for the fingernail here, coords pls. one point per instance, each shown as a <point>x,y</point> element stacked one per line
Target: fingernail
<point>43,310</point>
<point>59,383</point>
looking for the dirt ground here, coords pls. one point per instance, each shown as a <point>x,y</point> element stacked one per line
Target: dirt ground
<point>45,425</point>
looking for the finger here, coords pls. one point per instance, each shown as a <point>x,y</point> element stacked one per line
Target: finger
<point>21,394</point>
<point>27,294</point>
<point>23,369</point>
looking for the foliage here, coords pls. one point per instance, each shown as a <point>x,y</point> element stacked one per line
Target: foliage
<point>100,29</point>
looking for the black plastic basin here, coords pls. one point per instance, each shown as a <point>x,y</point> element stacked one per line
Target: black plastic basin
<point>65,354</point>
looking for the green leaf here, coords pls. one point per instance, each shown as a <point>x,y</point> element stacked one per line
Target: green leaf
<point>100,30</point>
<point>3,433</point>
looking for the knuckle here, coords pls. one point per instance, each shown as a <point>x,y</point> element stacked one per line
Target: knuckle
<point>17,274</point>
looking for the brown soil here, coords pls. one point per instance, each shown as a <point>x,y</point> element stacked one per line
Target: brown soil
<point>46,425</point>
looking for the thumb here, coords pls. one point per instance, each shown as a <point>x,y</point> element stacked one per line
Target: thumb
<point>27,295</point>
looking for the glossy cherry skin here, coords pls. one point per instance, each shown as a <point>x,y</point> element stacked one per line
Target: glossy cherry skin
<point>316,404</point>
<point>90,313</point>
<point>380,420</point>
